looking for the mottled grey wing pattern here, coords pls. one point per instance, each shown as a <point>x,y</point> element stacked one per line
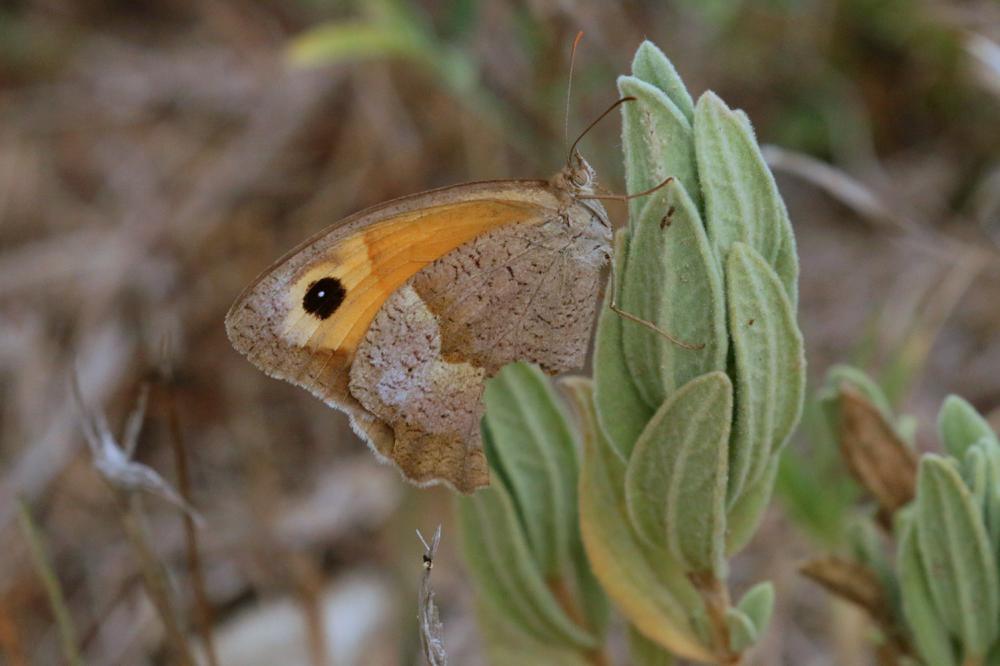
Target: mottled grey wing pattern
<point>519,293</point>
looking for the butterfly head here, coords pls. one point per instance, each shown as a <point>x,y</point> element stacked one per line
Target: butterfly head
<point>577,177</point>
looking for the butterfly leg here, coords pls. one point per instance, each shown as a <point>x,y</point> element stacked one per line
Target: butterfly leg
<point>643,322</point>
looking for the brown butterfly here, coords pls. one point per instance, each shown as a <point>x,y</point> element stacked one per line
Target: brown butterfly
<point>398,314</point>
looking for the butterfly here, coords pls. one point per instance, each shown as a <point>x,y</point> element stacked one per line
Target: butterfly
<point>398,314</point>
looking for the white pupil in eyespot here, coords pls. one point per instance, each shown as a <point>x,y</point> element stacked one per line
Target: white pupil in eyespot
<point>321,293</point>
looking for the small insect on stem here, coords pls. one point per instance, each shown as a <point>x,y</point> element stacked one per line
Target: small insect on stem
<point>431,629</point>
<point>667,219</point>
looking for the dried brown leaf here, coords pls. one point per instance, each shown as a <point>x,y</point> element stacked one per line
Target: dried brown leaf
<point>861,586</point>
<point>875,454</point>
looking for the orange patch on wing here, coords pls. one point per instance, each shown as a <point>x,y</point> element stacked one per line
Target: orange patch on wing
<point>376,261</point>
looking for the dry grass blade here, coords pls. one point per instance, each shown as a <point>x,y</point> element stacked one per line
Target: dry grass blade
<point>431,629</point>
<point>113,461</point>
<point>874,453</point>
<point>64,622</point>
<point>837,183</point>
<point>866,202</point>
<point>155,577</point>
<point>126,478</point>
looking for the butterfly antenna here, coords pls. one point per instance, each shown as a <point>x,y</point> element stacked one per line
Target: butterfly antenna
<point>572,149</point>
<point>569,84</point>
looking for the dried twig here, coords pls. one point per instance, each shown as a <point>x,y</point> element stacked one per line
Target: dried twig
<point>431,629</point>
<point>114,462</point>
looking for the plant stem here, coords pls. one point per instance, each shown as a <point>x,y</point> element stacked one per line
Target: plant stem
<point>154,575</point>
<point>204,609</point>
<point>715,596</point>
<point>64,621</point>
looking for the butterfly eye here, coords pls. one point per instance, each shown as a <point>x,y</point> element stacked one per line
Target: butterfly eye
<point>324,297</point>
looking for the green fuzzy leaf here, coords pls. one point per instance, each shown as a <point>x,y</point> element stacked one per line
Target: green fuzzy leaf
<point>506,575</point>
<point>981,470</point>
<point>508,645</point>
<point>658,142</point>
<point>960,426</point>
<point>746,512</point>
<point>769,366</point>
<point>959,562</point>
<point>758,606</point>
<point>866,543</point>
<point>534,451</point>
<point>906,427</point>
<point>644,652</point>
<point>742,632</point>
<point>621,410</point>
<point>649,587</point>
<point>678,463</point>
<point>928,631</point>
<point>587,590</point>
<point>650,65</point>
<point>673,281</point>
<point>786,264</point>
<point>702,624</point>
<point>742,202</point>
<point>975,472</point>
<point>866,546</point>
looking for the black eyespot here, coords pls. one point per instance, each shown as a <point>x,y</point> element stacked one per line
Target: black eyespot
<point>324,297</point>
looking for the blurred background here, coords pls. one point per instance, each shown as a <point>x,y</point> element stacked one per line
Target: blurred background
<point>156,155</point>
